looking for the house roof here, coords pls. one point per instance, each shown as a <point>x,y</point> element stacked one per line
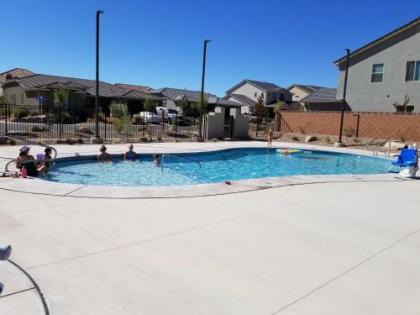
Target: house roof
<point>409,25</point>
<point>15,73</point>
<point>44,81</point>
<point>265,86</point>
<point>324,95</point>
<point>179,94</point>
<point>244,100</point>
<point>132,87</point>
<point>222,102</point>
<point>192,96</point>
<point>306,87</point>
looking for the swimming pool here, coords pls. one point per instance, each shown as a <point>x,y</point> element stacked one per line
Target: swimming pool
<point>212,167</point>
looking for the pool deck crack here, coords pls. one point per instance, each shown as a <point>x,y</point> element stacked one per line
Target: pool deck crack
<point>345,272</point>
<point>74,190</point>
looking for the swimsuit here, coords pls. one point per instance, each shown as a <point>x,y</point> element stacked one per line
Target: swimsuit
<point>131,155</point>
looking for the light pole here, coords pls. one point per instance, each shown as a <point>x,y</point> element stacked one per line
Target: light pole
<point>343,100</point>
<point>98,13</point>
<point>203,75</point>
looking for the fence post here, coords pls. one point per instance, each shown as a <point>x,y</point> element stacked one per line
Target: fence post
<point>163,123</point>
<point>6,117</point>
<point>60,125</point>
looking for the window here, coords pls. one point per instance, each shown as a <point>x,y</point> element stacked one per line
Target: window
<point>412,71</point>
<point>377,72</point>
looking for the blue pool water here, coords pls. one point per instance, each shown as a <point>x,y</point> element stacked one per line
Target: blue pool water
<point>233,164</point>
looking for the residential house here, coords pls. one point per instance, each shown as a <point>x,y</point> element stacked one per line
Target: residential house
<point>299,91</point>
<point>323,99</point>
<point>141,88</point>
<point>38,90</point>
<point>172,96</point>
<point>13,73</point>
<point>247,92</point>
<point>384,72</point>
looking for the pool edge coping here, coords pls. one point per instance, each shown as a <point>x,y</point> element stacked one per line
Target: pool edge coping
<point>50,188</point>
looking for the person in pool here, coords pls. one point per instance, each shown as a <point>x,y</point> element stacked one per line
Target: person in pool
<point>104,156</point>
<point>26,160</point>
<point>157,159</point>
<point>47,159</point>
<point>130,155</point>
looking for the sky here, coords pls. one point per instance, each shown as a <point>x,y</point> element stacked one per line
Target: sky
<point>159,43</point>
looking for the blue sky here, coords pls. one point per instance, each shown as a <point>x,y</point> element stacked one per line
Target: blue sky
<point>159,43</point>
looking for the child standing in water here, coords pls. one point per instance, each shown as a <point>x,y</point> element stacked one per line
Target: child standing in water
<point>270,137</point>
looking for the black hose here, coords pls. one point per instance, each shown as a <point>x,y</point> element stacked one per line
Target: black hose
<point>37,288</point>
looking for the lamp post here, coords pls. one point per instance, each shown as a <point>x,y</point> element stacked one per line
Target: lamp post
<point>203,75</point>
<point>98,13</point>
<point>343,100</point>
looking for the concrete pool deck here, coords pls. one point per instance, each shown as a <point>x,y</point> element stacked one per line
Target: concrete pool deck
<point>40,186</point>
<point>342,247</point>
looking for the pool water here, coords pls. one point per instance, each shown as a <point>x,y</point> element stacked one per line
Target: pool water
<point>212,167</point>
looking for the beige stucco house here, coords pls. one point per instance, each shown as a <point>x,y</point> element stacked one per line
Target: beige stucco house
<point>247,92</point>
<point>384,72</point>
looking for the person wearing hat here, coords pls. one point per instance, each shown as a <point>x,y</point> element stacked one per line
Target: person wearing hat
<point>104,156</point>
<point>26,160</point>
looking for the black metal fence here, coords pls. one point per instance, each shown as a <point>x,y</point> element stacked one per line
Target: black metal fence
<point>59,126</point>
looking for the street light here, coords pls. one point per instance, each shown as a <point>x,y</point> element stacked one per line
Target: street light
<point>203,75</point>
<point>98,13</point>
<point>343,100</point>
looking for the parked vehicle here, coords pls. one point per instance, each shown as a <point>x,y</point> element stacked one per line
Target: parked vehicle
<point>169,115</point>
<point>149,117</point>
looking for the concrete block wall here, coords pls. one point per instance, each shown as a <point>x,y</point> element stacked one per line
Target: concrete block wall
<point>371,124</point>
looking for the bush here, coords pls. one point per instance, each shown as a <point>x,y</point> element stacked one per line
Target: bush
<point>19,112</point>
<point>123,125</point>
<point>349,131</point>
<point>118,109</point>
<point>40,128</point>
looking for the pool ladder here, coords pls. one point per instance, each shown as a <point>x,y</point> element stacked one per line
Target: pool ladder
<point>377,148</point>
<point>179,157</point>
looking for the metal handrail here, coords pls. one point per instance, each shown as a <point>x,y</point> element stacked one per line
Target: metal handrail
<point>55,153</point>
<point>375,148</point>
<point>179,157</point>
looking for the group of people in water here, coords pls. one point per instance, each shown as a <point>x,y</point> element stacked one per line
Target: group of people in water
<point>130,155</point>
<point>29,166</point>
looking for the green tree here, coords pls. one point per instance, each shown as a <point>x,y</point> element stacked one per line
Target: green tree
<point>149,105</point>
<point>260,109</point>
<point>61,97</point>
<point>279,106</point>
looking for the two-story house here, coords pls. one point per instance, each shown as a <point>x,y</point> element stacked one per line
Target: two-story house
<point>247,93</point>
<point>384,72</point>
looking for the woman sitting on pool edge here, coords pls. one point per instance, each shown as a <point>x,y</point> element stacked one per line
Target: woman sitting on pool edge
<point>104,156</point>
<point>25,160</point>
<point>130,155</point>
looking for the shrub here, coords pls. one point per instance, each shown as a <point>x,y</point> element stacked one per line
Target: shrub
<point>349,131</point>
<point>19,112</point>
<point>40,128</point>
<point>118,109</point>
<point>403,134</point>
